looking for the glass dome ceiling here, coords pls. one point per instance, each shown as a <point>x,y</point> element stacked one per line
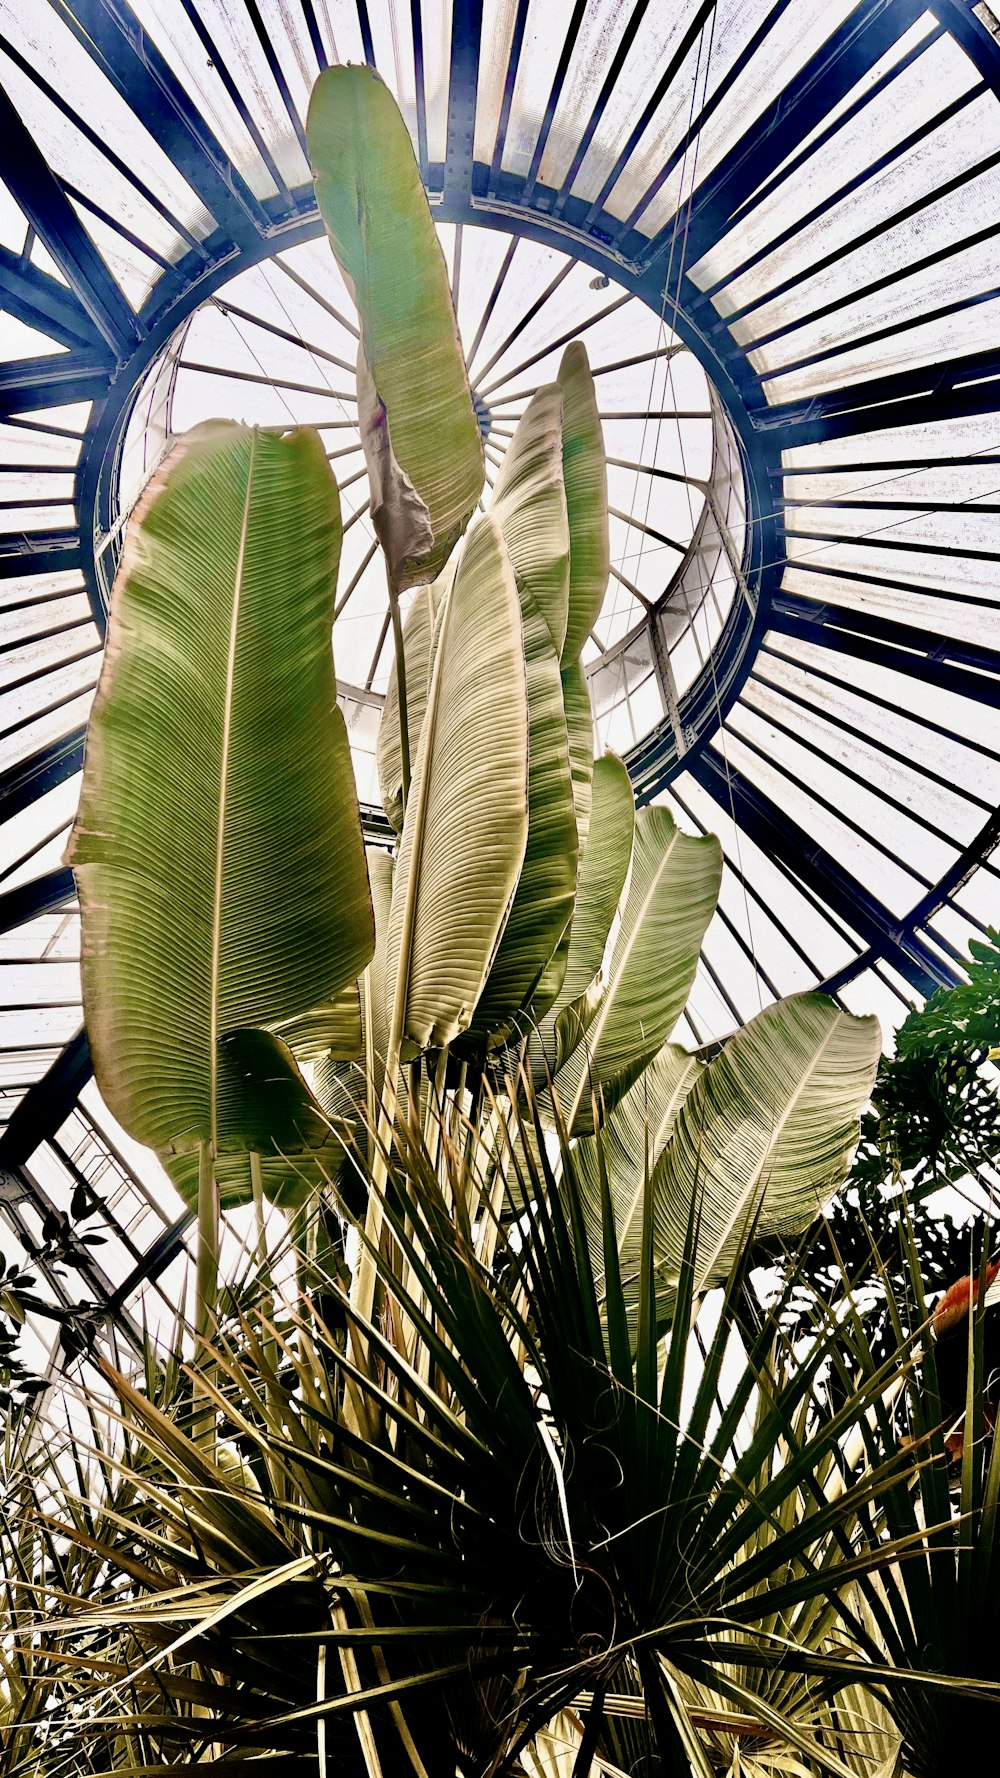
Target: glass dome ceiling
<point>276,345</point>
<point>778,217</point>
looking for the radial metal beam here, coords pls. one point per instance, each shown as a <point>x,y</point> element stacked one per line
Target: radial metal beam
<point>25,783</point>
<point>28,384</point>
<point>126,53</point>
<point>776,833</point>
<point>37,191</point>
<point>46,1106</point>
<point>41,301</point>
<point>940,391</point>
<point>823,83</point>
<point>37,897</point>
<point>49,553</point>
<point>466,32</point>
<point>972,671</point>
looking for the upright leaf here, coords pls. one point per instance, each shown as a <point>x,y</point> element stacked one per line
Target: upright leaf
<point>586,478</point>
<point>769,1128</point>
<point>419,427</point>
<point>418,637</point>
<point>529,503</point>
<point>580,727</point>
<point>466,820</point>
<point>218,849</point>
<point>673,889</point>
<point>530,506</point>
<point>633,1138</point>
<point>603,869</point>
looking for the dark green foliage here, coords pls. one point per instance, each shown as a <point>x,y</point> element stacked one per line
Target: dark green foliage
<point>938,1610</point>
<point>935,1115</point>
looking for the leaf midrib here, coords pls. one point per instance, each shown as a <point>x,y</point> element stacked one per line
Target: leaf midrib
<point>220,839</point>
<point>614,985</point>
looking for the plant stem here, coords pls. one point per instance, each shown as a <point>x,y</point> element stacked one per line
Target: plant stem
<point>206,1279</point>
<point>263,1255</point>
<point>257,1188</point>
<point>404,730</point>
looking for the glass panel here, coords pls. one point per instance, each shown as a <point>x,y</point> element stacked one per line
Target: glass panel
<point>926,856</point>
<point>436,28</point>
<point>958,146</point>
<point>953,335</point>
<point>800,29</point>
<point>13,222</point>
<point>340,30</point>
<point>813,720</point>
<point>869,993</point>
<point>975,434</point>
<point>65,709</point>
<point>918,94</point>
<point>31,828</point>
<point>969,761</point>
<point>902,47</point>
<point>34,28</point>
<point>961,619</point>
<point>939,573</point>
<point>598,36</point>
<point>182,49</point>
<point>888,880</point>
<point>18,340</point>
<point>292,44</point>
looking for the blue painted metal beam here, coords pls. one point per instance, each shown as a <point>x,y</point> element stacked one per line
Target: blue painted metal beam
<point>50,553</point>
<point>973,34</point>
<point>23,785</point>
<point>39,300</point>
<point>466,35</point>
<point>47,1105</point>
<point>37,191</point>
<point>127,54</point>
<point>940,391</point>
<point>784,840</point>
<point>28,384</point>
<point>38,897</point>
<point>972,672</point>
<point>824,81</point>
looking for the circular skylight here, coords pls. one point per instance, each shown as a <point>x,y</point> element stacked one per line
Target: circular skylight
<point>276,347</point>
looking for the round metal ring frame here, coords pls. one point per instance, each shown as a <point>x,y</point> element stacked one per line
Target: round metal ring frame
<point>654,760</point>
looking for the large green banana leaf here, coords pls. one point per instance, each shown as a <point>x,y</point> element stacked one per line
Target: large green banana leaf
<point>295,1140</point>
<point>633,1137</point>
<point>602,872</point>
<point>767,1131</point>
<point>632,1140</point>
<point>586,479</point>
<point>332,1029</point>
<point>217,849</point>
<point>580,727</point>
<point>529,503</point>
<point>672,892</point>
<point>466,822</point>
<point>418,637</point>
<point>580,731</point>
<point>419,428</point>
<point>530,507</point>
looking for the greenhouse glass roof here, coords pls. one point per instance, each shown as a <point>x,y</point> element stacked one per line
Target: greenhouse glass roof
<point>774,224</point>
